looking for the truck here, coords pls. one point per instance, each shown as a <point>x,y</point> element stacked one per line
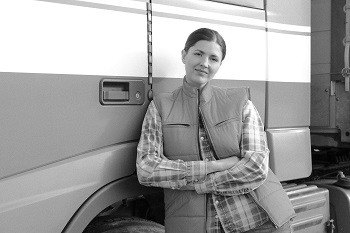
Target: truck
<point>76,78</point>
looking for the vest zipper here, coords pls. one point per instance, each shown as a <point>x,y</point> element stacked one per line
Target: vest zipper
<point>201,158</point>
<point>207,132</point>
<point>198,142</point>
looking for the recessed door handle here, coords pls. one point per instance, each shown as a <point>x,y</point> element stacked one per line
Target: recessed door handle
<point>116,95</point>
<point>122,92</point>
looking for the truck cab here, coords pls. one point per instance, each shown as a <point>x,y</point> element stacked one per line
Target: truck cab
<point>76,78</point>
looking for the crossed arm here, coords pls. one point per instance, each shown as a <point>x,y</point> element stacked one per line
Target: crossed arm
<point>230,176</point>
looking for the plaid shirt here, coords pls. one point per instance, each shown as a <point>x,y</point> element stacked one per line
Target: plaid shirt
<point>230,208</point>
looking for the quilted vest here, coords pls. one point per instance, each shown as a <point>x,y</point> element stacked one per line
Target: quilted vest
<point>185,211</point>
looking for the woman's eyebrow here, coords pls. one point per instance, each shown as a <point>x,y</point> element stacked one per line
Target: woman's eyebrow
<point>198,50</point>
<point>201,51</point>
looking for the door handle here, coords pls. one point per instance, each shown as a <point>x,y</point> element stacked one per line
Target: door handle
<point>116,95</point>
<point>122,92</point>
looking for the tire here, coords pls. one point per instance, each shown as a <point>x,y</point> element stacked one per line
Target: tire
<point>124,225</point>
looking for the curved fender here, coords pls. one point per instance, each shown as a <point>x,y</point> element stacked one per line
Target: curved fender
<point>113,192</point>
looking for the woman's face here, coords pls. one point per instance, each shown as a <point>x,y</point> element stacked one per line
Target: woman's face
<point>202,61</point>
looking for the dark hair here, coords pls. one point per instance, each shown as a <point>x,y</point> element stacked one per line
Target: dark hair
<point>208,35</point>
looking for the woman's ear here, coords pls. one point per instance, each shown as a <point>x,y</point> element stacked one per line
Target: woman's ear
<point>183,55</point>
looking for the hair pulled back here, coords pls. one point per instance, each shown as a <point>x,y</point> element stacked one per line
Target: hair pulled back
<point>208,35</point>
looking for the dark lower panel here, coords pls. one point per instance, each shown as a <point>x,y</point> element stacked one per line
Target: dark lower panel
<point>50,117</point>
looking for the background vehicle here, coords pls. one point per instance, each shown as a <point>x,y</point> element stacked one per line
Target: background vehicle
<point>76,78</point>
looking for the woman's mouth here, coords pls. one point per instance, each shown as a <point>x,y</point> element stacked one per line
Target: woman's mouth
<point>201,71</point>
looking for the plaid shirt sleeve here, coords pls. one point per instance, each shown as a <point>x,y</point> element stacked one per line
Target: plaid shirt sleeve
<point>251,171</point>
<point>153,168</point>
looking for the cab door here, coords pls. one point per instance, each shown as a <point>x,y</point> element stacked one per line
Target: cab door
<point>73,85</point>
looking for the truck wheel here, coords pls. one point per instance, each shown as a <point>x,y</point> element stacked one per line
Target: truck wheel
<point>124,225</point>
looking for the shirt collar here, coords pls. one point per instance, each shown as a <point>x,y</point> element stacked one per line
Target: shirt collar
<point>205,93</point>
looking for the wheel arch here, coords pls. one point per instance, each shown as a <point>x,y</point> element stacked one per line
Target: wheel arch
<point>126,187</point>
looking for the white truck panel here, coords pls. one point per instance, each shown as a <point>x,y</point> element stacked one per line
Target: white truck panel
<point>245,39</point>
<point>289,57</point>
<point>73,37</point>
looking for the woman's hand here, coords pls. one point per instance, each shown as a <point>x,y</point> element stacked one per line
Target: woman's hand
<point>222,164</point>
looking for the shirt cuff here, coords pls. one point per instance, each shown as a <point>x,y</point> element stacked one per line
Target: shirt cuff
<point>196,171</point>
<point>206,186</point>
<point>170,184</point>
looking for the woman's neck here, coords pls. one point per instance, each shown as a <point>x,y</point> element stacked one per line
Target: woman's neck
<point>199,87</point>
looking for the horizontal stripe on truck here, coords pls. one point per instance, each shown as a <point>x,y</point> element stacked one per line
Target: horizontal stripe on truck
<point>240,19</point>
<point>120,5</point>
<point>214,6</point>
<point>207,20</point>
<point>206,15</point>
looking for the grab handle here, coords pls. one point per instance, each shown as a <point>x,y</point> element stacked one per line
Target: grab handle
<point>122,92</point>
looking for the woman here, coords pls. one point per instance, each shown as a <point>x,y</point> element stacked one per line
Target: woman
<point>206,147</point>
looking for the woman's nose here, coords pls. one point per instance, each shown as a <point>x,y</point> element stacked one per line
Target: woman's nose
<point>205,62</point>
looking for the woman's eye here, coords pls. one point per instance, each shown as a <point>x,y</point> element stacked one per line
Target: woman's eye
<point>215,59</point>
<point>198,54</point>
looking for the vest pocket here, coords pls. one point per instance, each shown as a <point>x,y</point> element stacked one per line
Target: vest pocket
<point>176,125</point>
<point>226,121</point>
<point>178,140</point>
<point>226,136</point>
